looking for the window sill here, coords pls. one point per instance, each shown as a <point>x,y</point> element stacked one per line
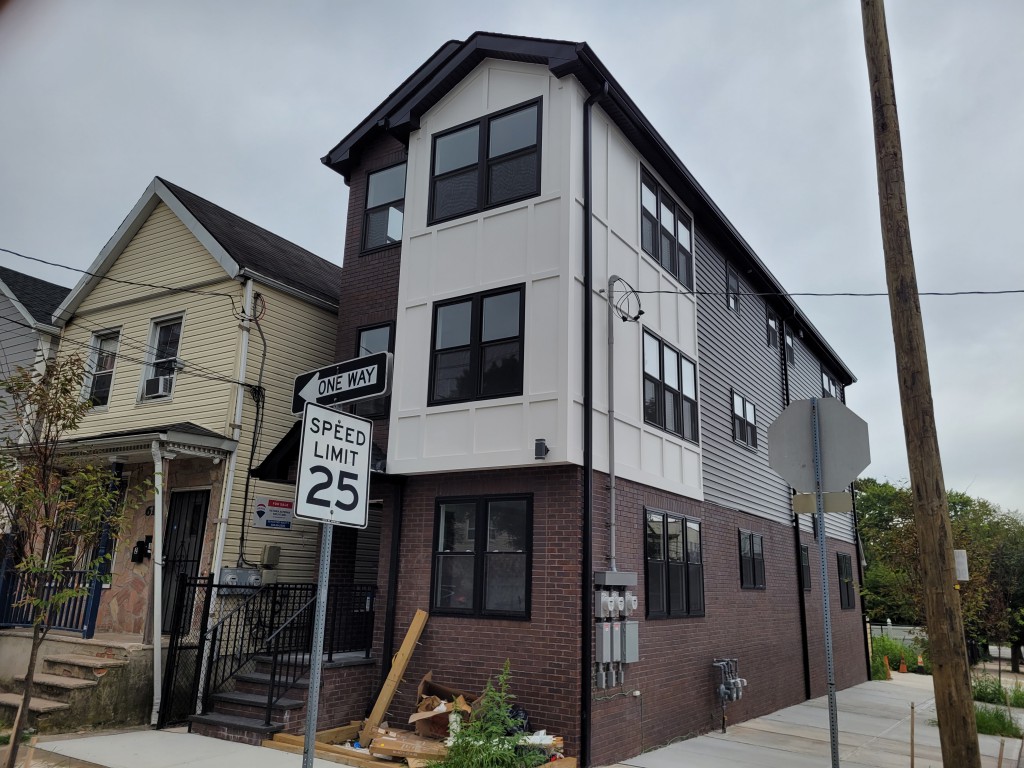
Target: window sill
<point>672,616</point>
<point>670,433</point>
<point>380,249</point>
<point>483,616</point>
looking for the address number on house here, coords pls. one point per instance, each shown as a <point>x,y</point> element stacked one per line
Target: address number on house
<point>334,467</point>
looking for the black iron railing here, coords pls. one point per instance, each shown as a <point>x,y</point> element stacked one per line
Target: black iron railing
<point>76,614</point>
<point>274,625</point>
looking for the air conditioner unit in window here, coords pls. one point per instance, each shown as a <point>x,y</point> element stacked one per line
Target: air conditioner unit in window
<point>159,386</point>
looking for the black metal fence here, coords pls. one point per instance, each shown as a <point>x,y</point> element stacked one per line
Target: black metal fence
<point>75,614</point>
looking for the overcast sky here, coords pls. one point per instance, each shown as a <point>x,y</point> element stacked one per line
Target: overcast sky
<point>767,103</point>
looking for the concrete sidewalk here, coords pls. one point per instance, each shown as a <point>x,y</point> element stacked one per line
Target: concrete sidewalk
<point>874,732</point>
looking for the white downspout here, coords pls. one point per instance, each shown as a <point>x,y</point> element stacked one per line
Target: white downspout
<point>236,433</point>
<point>158,576</point>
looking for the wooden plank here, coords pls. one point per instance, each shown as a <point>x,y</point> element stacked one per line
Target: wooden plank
<point>565,762</point>
<point>340,734</point>
<point>398,666</point>
<point>351,758</point>
<point>407,744</point>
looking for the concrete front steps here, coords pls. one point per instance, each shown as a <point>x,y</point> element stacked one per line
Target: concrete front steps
<point>67,693</point>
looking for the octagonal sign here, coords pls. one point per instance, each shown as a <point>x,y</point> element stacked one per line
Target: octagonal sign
<point>843,437</point>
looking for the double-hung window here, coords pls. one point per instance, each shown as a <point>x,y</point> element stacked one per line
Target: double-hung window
<point>163,364</point>
<point>744,421</point>
<point>751,560</point>
<point>385,207</point>
<point>487,163</point>
<point>101,374</point>
<point>370,341</point>
<point>829,386</point>
<point>732,289</point>
<point>772,328</point>
<point>847,586</point>
<point>666,231</point>
<point>790,349</point>
<point>482,553</point>
<point>670,388</point>
<point>675,566</point>
<point>477,347</point>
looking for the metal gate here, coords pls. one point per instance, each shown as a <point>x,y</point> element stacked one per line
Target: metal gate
<point>179,697</point>
<point>186,524</point>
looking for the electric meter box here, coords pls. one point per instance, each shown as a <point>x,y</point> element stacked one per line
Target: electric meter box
<point>603,644</point>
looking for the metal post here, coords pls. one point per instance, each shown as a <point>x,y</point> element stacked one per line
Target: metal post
<point>316,654</point>
<point>833,717</point>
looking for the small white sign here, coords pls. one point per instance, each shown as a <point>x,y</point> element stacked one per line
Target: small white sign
<point>273,513</point>
<point>334,467</point>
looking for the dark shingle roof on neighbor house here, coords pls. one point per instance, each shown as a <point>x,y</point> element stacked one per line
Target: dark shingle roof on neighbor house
<point>261,251</point>
<point>39,297</point>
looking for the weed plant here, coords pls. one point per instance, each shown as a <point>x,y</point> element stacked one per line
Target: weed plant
<point>996,721</point>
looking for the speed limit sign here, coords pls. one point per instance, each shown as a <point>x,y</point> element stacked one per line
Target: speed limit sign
<point>334,467</point>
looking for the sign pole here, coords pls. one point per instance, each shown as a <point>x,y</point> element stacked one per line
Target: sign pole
<point>316,654</point>
<point>833,715</point>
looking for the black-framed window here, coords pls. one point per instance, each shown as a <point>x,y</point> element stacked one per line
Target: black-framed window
<point>790,348</point>
<point>847,586</point>
<point>829,385</point>
<point>369,341</point>
<point>744,420</point>
<point>751,560</point>
<point>385,207</point>
<point>732,289</point>
<point>492,161</point>
<point>772,328</point>
<point>101,373</point>
<point>482,556</point>
<point>477,344</point>
<point>674,565</point>
<point>805,568</point>
<point>670,388</point>
<point>666,231</point>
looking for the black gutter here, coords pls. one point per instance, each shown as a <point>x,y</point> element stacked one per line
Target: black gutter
<point>860,565</point>
<point>388,643</point>
<point>804,644</point>
<point>587,558</point>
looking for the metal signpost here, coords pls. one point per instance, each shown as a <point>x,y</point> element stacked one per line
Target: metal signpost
<point>356,379</point>
<point>331,488</point>
<point>820,446</point>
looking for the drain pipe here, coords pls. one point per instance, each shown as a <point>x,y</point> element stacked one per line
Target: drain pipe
<point>587,559</point>
<point>236,434</point>
<point>388,641</point>
<point>611,423</point>
<point>158,575</point>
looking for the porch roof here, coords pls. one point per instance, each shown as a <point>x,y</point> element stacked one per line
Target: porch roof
<point>135,444</point>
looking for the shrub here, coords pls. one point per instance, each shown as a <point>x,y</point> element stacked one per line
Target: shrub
<point>996,721</point>
<point>987,689</point>
<point>895,650</point>
<point>1017,695</point>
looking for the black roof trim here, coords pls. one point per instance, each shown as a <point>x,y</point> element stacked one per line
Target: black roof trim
<point>399,115</point>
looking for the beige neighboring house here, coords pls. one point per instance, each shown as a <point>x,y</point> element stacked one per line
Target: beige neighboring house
<point>195,323</point>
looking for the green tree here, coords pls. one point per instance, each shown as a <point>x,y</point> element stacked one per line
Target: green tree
<point>55,512</point>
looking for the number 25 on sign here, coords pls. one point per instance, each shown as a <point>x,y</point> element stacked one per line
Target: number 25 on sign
<point>334,467</point>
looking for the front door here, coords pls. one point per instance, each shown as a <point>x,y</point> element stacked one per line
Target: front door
<point>183,546</point>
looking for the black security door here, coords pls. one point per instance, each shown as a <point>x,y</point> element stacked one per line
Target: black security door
<point>183,545</point>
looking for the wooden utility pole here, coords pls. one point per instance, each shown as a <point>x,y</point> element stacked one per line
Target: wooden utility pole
<point>953,704</point>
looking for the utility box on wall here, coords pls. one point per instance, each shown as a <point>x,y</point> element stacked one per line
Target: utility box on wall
<point>630,642</point>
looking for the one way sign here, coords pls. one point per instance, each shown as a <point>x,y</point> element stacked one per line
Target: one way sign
<point>346,382</point>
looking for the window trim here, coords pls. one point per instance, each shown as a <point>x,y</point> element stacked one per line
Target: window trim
<point>476,344</point>
<point>749,440</point>
<point>367,210</point>
<point>682,272</point>
<point>847,585</point>
<point>661,386</point>
<point>148,369</point>
<point>668,613</point>
<point>771,322</point>
<point>94,354</point>
<point>757,580</point>
<point>384,400</point>
<point>479,556</point>
<point>483,162</point>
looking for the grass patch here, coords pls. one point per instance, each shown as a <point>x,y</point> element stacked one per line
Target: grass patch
<point>996,721</point>
<point>986,688</point>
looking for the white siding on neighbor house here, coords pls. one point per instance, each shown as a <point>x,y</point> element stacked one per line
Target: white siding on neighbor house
<point>18,348</point>
<point>300,337</point>
<point>164,253</point>
<point>536,242</point>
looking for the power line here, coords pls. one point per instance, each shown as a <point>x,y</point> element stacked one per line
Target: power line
<point>828,294</point>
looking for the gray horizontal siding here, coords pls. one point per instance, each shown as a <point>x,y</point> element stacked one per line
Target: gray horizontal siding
<point>734,354</point>
<point>17,350</point>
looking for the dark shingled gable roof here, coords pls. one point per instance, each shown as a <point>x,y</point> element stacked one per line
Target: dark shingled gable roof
<point>261,251</point>
<point>39,297</point>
